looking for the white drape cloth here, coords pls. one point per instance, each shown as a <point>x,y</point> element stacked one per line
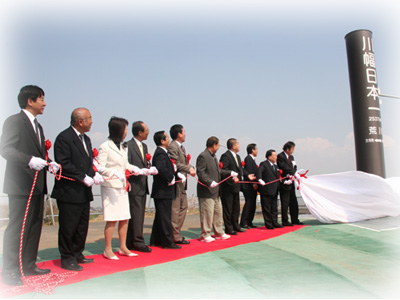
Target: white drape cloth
<point>350,196</point>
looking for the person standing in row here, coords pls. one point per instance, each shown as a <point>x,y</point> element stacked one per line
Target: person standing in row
<point>177,152</point>
<point>208,192</point>
<point>113,163</point>
<point>23,147</point>
<point>163,191</point>
<point>268,172</point>
<point>230,188</point>
<point>73,150</point>
<point>287,191</point>
<point>137,155</point>
<point>249,190</point>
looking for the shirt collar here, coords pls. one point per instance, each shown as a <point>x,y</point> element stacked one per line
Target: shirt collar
<point>76,131</point>
<point>253,157</point>
<point>233,153</point>
<point>179,144</point>
<point>163,149</point>
<point>137,141</point>
<point>29,115</point>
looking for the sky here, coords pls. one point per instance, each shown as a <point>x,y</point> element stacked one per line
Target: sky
<point>263,72</point>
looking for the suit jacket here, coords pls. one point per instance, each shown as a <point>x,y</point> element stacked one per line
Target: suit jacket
<point>76,164</point>
<point>251,168</point>
<point>175,152</point>
<point>166,173</point>
<point>139,183</point>
<point>19,143</point>
<point>229,164</point>
<point>111,160</point>
<point>287,168</point>
<point>208,170</point>
<point>267,173</point>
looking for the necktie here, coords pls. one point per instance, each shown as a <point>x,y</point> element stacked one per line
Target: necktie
<point>237,162</point>
<point>141,150</point>
<point>274,167</point>
<point>290,162</point>
<point>83,143</point>
<point>37,130</point>
<point>183,150</point>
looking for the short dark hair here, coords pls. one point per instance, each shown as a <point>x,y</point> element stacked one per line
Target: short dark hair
<point>137,127</point>
<point>116,128</point>
<point>269,153</point>
<point>230,143</point>
<point>250,148</point>
<point>211,141</point>
<point>175,129</point>
<point>288,145</point>
<point>29,92</point>
<point>158,137</point>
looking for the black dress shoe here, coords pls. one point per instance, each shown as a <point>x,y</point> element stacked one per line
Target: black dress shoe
<point>252,226</point>
<point>241,230</point>
<point>270,227</point>
<point>72,267</point>
<point>36,271</point>
<point>232,233</point>
<point>144,248</point>
<point>278,226</point>
<point>287,224</point>
<point>12,279</point>
<point>86,261</point>
<point>245,226</point>
<point>298,223</point>
<point>182,242</point>
<point>172,246</point>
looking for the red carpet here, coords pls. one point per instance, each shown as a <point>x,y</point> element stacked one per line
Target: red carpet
<point>103,266</point>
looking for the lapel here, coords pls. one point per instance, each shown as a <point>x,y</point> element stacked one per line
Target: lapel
<point>272,169</point>
<point>78,143</point>
<point>32,132</point>
<point>233,160</point>
<point>137,150</point>
<point>114,148</point>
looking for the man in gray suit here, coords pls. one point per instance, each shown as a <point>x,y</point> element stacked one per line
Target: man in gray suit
<point>137,151</point>
<point>179,205</point>
<point>209,174</point>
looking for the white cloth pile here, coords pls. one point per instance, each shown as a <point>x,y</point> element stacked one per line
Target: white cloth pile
<point>350,196</point>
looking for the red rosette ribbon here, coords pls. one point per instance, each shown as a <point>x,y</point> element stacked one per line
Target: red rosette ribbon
<point>280,174</point>
<point>173,161</point>
<point>95,152</point>
<point>128,185</point>
<point>47,145</point>
<point>221,165</point>
<point>188,158</point>
<point>243,163</point>
<point>148,158</point>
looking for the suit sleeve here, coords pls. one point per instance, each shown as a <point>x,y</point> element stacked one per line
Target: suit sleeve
<point>62,154</point>
<point>160,162</point>
<point>102,158</point>
<point>201,169</point>
<point>9,143</point>
<point>260,171</point>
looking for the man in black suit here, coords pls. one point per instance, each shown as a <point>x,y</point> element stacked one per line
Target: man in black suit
<point>23,146</point>
<point>287,191</point>
<point>137,151</point>
<point>73,150</point>
<point>269,172</point>
<point>163,191</point>
<point>230,188</point>
<point>249,190</point>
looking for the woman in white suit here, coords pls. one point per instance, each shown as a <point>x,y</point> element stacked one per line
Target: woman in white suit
<point>113,162</point>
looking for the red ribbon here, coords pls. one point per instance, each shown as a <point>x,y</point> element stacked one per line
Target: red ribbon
<point>188,158</point>
<point>243,163</point>
<point>221,165</point>
<point>47,145</point>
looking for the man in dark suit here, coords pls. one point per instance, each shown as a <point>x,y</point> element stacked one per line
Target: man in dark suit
<point>163,191</point>
<point>137,151</point>
<point>208,192</point>
<point>230,188</point>
<point>287,191</point>
<point>23,146</point>
<point>73,150</point>
<point>269,172</point>
<point>180,204</point>
<point>249,190</point>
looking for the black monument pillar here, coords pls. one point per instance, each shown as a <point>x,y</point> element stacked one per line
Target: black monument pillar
<point>365,102</point>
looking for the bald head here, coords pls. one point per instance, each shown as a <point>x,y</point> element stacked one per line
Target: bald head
<point>81,119</point>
